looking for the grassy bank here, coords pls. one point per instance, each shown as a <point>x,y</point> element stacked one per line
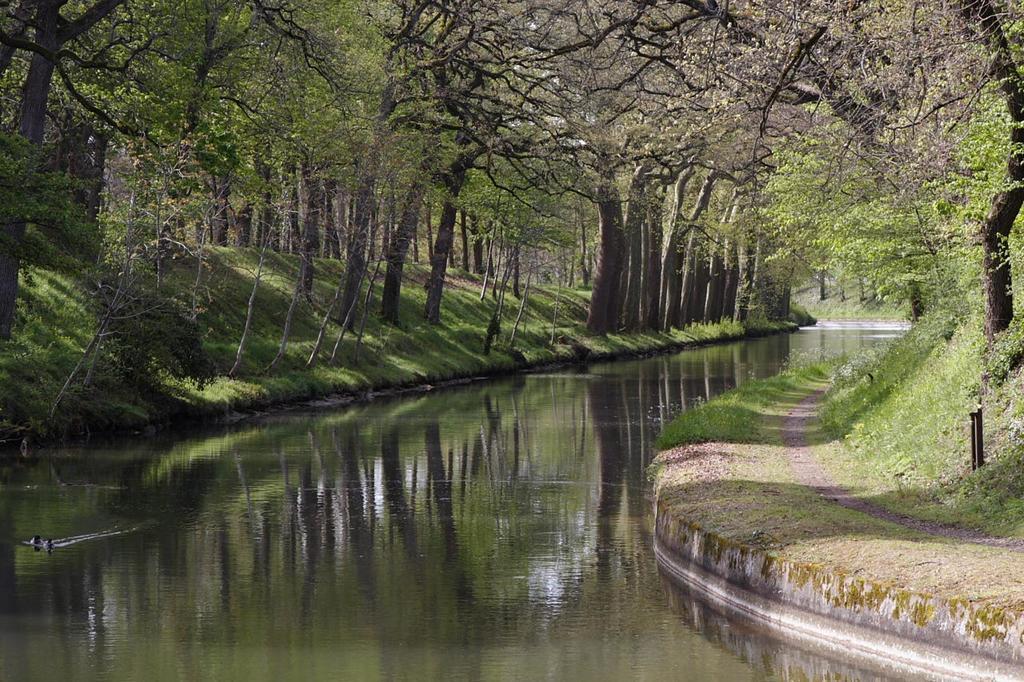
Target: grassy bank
<point>724,468</point>
<point>903,417</point>
<point>56,324</point>
<point>741,415</point>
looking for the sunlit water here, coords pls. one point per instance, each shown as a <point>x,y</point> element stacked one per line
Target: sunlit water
<point>492,531</point>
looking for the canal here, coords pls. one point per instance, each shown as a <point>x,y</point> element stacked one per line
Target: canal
<point>495,530</point>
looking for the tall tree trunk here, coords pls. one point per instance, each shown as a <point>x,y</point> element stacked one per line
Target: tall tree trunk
<point>286,331</point>
<point>416,243</point>
<point>494,327</point>
<point>498,263</point>
<point>522,309</point>
<point>696,297</point>
<point>310,228</point>
<point>488,271</point>
<point>465,240</point>
<point>671,270</point>
<point>427,222</point>
<point>355,265</point>
<point>388,225</point>
<point>443,246</point>
<point>719,264</point>
<point>688,272</point>
<point>636,213</point>
<point>244,225</point>
<point>732,276</point>
<point>250,311</point>
<point>603,315</point>
<point>346,209</point>
<point>694,290</point>
<point>489,266</point>
<point>314,355</point>
<point>754,276</point>
<point>266,233</point>
<point>332,244</point>
<point>916,303</point>
<point>515,274</point>
<point>293,233</point>
<point>220,186</point>
<point>363,208</point>
<point>652,277</point>
<point>479,266</point>
<point>367,304</point>
<point>584,257</point>
<point>391,298</point>
<point>716,279</point>
<point>81,153</point>
<point>744,279</point>
<point>375,225</point>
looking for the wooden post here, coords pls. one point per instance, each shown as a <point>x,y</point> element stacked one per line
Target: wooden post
<point>974,442</point>
<point>977,440</point>
<point>980,426</point>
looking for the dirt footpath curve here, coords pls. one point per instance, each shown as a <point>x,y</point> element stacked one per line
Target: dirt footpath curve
<point>808,471</point>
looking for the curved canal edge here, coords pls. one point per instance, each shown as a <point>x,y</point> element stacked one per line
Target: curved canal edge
<point>576,352</point>
<point>905,631</point>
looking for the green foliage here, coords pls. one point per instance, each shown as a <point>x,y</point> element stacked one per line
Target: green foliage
<point>847,217</point>
<point>55,322</point>
<point>903,410</point>
<point>1006,354</point>
<point>59,236</point>
<point>851,309</point>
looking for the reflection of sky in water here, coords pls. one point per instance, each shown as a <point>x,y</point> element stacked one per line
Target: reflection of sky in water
<point>494,530</point>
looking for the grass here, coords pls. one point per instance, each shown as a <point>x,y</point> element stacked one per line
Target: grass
<point>739,416</point>
<point>56,321</point>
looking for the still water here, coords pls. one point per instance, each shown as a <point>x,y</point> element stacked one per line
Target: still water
<point>498,530</point>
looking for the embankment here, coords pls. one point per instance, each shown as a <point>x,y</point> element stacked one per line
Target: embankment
<point>850,615</point>
<point>131,383</point>
<point>842,565</point>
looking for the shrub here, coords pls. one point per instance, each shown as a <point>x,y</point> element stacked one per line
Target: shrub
<point>1007,353</point>
<point>799,315</point>
<point>153,339</point>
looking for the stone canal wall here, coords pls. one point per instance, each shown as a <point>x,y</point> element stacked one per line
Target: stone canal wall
<point>904,631</point>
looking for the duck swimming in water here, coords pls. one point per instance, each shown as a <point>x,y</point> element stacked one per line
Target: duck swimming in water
<point>49,544</point>
<point>39,543</point>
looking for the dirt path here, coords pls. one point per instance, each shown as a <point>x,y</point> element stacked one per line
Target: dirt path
<point>808,471</point>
